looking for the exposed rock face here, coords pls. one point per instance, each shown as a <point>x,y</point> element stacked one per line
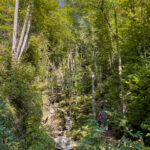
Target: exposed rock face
<point>58,123</point>
<point>55,118</point>
<point>52,120</point>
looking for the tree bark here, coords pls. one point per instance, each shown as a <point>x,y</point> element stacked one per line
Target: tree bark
<point>143,32</point>
<point>14,40</point>
<point>93,78</point>
<point>120,64</point>
<point>23,30</point>
<point>112,46</point>
<point>100,79</point>
<point>26,35</point>
<point>23,4</point>
<point>70,82</point>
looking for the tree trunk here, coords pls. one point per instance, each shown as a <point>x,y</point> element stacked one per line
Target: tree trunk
<point>23,30</point>
<point>26,35</point>
<point>110,61</point>
<point>100,79</point>
<point>143,32</point>
<point>70,82</point>
<point>112,53</point>
<point>15,26</point>
<point>111,31</point>
<point>23,4</point>
<point>93,78</point>
<point>120,64</point>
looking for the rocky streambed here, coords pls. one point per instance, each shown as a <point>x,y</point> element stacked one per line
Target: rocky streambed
<point>58,123</point>
<point>63,142</point>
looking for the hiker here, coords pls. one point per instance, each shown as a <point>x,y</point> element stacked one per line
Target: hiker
<point>101,116</point>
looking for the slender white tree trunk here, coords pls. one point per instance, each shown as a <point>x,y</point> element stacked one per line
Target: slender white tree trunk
<point>14,39</point>
<point>143,32</point>
<point>112,53</point>
<point>70,84</point>
<point>110,62</point>
<point>23,30</point>
<point>110,29</point>
<point>120,64</point>
<point>93,78</point>
<point>23,4</point>
<point>100,79</point>
<point>26,35</point>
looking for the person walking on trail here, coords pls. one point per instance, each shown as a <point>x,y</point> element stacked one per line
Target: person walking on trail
<point>101,116</point>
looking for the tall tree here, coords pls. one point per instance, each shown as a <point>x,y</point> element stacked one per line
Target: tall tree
<point>93,75</point>
<point>14,39</point>
<point>119,63</point>
<point>26,34</point>
<point>17,49</point>
<point>23,30</point>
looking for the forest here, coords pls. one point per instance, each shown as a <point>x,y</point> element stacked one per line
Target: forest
<point>74,75</point>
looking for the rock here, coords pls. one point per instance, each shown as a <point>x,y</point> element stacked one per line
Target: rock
<point>51,109</point>
<point>63,142</point>
<point>69,147</point>
<point>68,122</point>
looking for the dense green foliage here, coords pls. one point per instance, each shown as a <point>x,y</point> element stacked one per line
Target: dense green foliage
<point>76,48</point>
<point>97,134</point>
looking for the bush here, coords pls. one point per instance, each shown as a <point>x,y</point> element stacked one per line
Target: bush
<point>39,140</point>
<point>8,140</point>
<point>96,138</point>
<point>21,89</point>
